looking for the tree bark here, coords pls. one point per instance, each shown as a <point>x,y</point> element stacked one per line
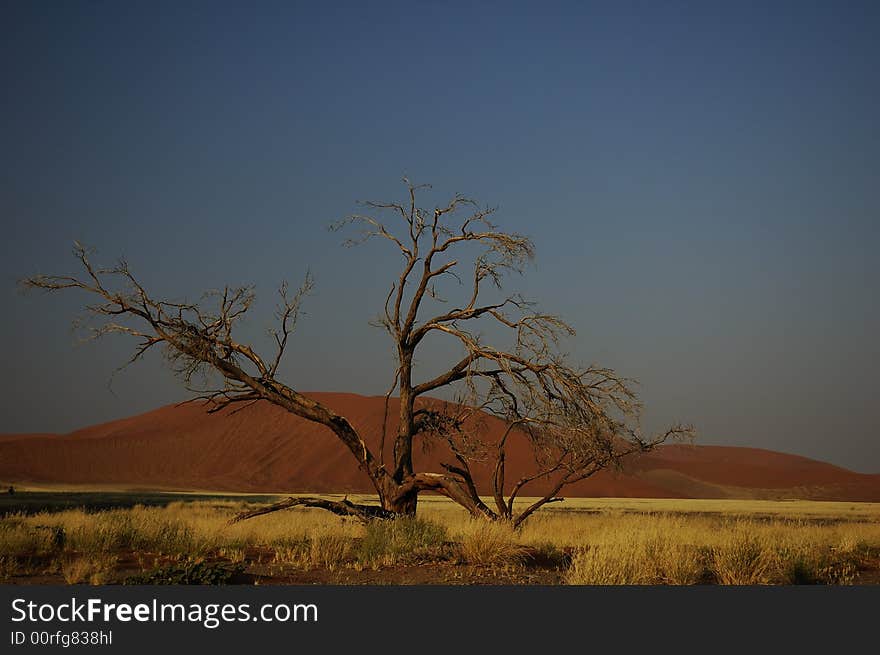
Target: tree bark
<point>403,467</point>
<point>403,504</point>
<point>343,507</point>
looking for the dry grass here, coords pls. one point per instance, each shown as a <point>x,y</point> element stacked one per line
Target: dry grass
<point>626,550</point>
<point>329,551</point>
<point>490,544</point>
<point>675,550</point>
<point>610,541</point>
<point>91,569</point>
<point>402,541</point>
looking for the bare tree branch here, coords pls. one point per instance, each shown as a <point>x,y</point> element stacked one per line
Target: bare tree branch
<point>576,420</point>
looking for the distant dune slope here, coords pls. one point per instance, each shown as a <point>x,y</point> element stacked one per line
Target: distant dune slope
<point>265,449</point>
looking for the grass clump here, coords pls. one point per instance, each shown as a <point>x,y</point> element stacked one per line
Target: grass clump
<point>18,538</point>
<point>320,551</point>
<point>744,559</point>
<point>292,552</point>
<point>651,562</point>
<point>93,569</point>
<point>329,551</point>
<point>491,544</point>
<point>406,539</point>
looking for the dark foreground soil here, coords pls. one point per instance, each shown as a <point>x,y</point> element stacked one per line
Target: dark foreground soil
<point>255,572</point>
<point>257,569</point>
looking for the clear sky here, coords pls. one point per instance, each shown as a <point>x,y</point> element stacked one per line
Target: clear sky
<point>700,179</point>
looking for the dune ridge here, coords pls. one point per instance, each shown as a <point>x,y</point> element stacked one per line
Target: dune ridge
<point>262,448</point>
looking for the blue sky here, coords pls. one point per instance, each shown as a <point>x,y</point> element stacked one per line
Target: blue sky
<point>700,180</point>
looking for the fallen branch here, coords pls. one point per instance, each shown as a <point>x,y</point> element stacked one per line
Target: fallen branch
<point>343,507</point>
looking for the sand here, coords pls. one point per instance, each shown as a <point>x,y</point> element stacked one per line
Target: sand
<point>264,449</point>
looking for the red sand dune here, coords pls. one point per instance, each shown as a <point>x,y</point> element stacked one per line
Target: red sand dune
<point>263,448</point>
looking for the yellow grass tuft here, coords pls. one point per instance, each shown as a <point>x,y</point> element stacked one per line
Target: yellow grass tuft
<point>92,569</point>
<point>492,544</point>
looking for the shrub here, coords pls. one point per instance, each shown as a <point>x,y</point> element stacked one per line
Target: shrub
<point>188,573</point>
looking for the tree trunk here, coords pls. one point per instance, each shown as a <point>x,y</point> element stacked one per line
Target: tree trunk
<point>403,467</point>
<point>404,505</point>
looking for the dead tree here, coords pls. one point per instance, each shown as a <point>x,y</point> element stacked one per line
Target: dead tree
<point>576,425</point>
<point>580,415</point>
